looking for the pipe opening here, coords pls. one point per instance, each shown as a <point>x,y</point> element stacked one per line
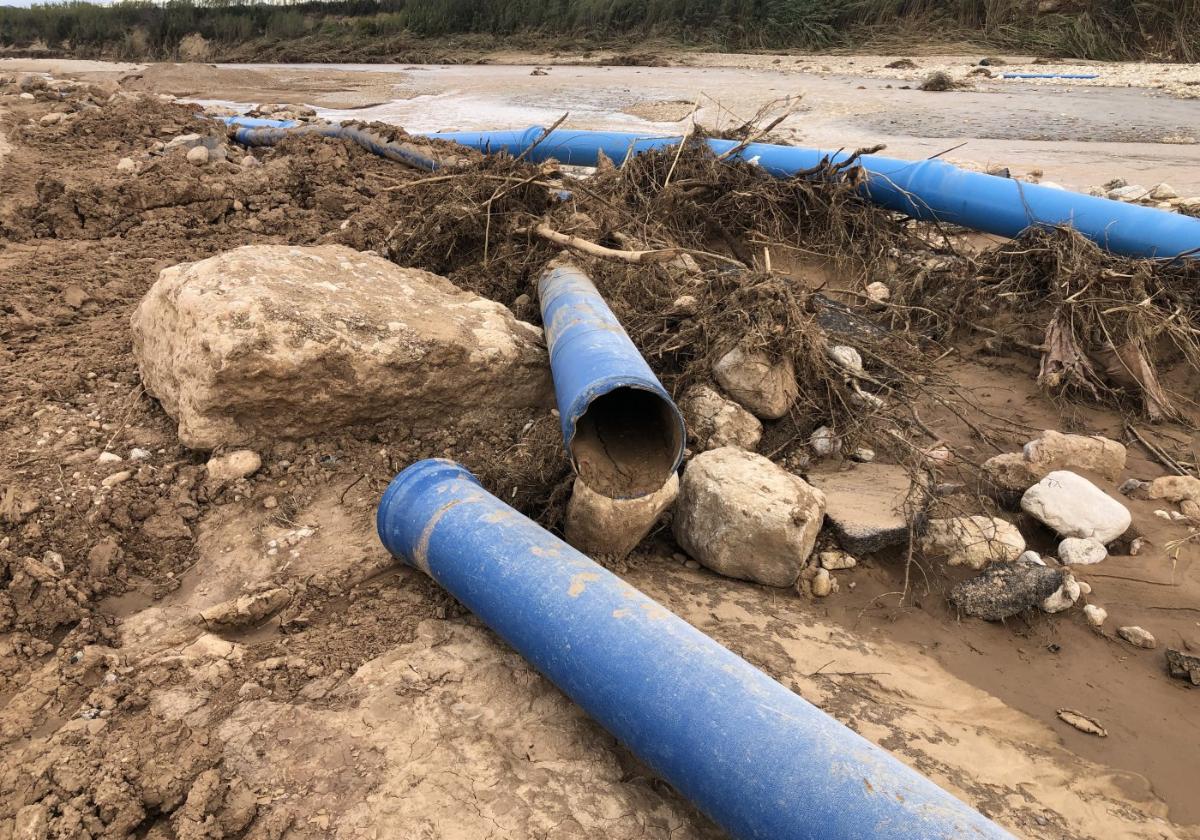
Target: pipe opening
<point>627,443</point>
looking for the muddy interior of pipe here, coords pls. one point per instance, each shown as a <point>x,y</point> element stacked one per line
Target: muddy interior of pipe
<point>626,443</point>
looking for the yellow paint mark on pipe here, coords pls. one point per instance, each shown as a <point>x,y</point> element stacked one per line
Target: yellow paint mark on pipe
<point>579,583</point>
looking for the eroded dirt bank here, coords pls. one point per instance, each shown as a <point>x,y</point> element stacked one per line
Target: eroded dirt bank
<point>350,697</point>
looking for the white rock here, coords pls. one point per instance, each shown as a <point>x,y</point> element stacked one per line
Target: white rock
<point>973,541</point>
<point>116,478</point>
<point>878,293</point>
<point>1163,192</point>
<point>1085,588</point>
<point>53,118</point>
<point>241,463</point>
<point>138,454</point>
<point>197,155</point>
<point>1174,488</point>
<point>1064,597</point>
<point>608,529</point>
<point>824,442</point>
<point>742,516</point>
<point>1074,551</point>
<point>766,388</point>
<point>108,458</point>
<point>272,342</point>
<point>1072,506</point>
<point>822,584</point>
<point>847,358</point>
<point>126,164</point>
<point>1031,557</point>
<point>863,455</point>
<point>714,421</point>
<point>1137,637</point>
<point>836,560</point>
<point>1095,615</point>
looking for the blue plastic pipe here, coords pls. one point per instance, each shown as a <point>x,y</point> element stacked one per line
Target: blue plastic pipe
<point>624,434</point>
<point>752,755</point>
<point>932,190</point>
<point>252,131</point>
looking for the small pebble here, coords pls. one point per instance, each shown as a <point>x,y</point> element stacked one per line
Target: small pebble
<point>1137,637</point>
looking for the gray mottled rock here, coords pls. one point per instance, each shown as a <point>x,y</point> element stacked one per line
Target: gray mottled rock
<point>608,529</point>
<point>1074,551</point>
<point>1183,666</point>
<point>766,388</point>
<point>1072,506</point>
<point>868,505</point>
<point>1005,589</point>
<point>268,342</point>
<point>742,516</point>
<point>973,541</point>
<point>714,421</point>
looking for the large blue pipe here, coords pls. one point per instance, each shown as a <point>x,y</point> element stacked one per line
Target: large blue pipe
<point>932,190</point>
<point>623,432</point>
<point>755,757</point>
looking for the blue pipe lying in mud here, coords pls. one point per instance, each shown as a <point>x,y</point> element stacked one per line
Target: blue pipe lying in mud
<point>932,190</point>
<point>252,131</point>
<point>755,757</point>
<point>620,427</point>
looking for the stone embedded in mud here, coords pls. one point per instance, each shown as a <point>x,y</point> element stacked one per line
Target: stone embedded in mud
<point>1090,453</point>
<point>1137,637</point>
<point>197,155</point>
<point>973,541</point>
<point>1072,506</point>
<point>608,529</point>
<point>742,516</point>
<point>274,342</point>
<point>714,421</point>
<point>1183,666</point>
<point>1005,589</point>
<point>240,463</point>
<point>1175,488</point>
<point>1074,551</point>
<point>868,506</point>
<point>766,388</point>
<point>247,610</point>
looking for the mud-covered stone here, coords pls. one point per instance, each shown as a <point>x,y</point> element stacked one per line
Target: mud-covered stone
<point>714,421</point>
<point>1183,666</point>
<point>766,388</point>
<point>267,342</point>
<point>1005,589</point>
<point>608,529</point>
<point>973,541</point>
<point>869,506</point>
<point>742,516</point>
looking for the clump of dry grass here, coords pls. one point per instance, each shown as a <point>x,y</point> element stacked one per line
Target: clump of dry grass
<point>1103,326</point>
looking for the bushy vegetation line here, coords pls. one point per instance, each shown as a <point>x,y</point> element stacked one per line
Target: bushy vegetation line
<point>1102,29</point>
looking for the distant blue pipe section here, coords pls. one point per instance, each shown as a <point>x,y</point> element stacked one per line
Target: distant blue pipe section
<point>250,131</point>
<point>932,190</point>
<point>623,432</point>
<point>755,757</point>
<point>1051,76</point>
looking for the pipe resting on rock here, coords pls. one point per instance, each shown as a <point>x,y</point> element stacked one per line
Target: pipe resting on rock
<point>755,757</point>
<point>931,190</point>
<point>624,434</point>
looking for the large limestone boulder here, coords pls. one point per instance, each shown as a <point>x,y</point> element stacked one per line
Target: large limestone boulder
<point>270,341</point>
<point>1072,506</point>
<point>714,421</point>
<point>742,516</point>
